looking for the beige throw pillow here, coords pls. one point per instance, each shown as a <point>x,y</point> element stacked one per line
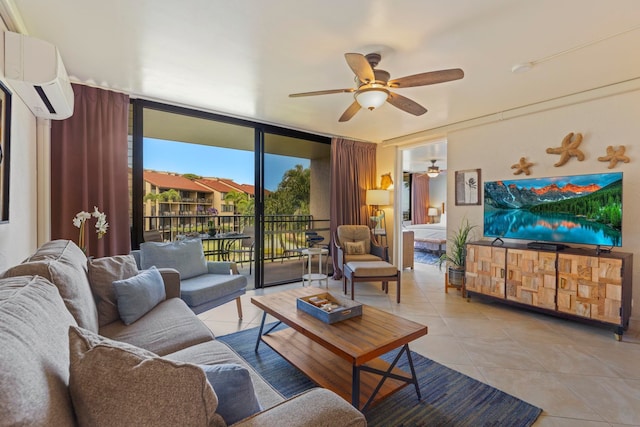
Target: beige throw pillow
<point>102,273</point>
<point>114,384</point>
<point>355,248</point>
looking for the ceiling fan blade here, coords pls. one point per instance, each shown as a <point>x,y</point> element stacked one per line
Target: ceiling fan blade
<point>405,104</point>
<point>350,112</point>
<point>360,66</point>
<point>321,92</point>
<point>428,78</point>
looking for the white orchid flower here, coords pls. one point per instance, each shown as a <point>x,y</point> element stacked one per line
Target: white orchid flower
<point>101,224</point>
<point>81,217</point>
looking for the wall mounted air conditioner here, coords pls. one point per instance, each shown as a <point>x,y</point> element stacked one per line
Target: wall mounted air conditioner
<point>35,71</point>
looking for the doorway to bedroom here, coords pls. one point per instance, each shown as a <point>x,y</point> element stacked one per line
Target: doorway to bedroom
<point>424,199</point>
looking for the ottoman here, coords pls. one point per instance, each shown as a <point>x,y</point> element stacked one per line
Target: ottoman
<point>371,271</point>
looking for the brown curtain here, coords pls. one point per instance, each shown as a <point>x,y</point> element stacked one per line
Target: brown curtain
<point>89,167</point>
<point>420,198</point>
<point>353,172</point>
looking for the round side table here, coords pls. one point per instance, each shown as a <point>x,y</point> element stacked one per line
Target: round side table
<point>321,273</point>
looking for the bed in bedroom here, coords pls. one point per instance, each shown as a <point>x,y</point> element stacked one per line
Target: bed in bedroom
<point>430,237</point>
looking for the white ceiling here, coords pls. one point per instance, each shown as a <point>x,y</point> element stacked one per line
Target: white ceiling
<point>242,58</point>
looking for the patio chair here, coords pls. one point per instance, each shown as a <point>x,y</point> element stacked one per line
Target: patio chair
<point>290,248</point>
<point>153,236</point>
<point>245,248</point>
<point>313,238</point>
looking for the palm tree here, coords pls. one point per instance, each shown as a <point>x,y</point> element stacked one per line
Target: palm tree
<point>170,195</point>
<point>242,203</point>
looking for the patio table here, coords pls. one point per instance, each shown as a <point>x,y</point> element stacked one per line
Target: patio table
<point>224,242</point>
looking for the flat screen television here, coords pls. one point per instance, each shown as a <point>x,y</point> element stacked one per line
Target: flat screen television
<point>579,209</point>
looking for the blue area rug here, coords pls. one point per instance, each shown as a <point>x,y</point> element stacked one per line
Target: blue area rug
<point>424,257</point>
<point>449,398</point>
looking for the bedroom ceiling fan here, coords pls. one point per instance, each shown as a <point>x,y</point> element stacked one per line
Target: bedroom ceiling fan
<point>433,171</point>
<point>373,86</point>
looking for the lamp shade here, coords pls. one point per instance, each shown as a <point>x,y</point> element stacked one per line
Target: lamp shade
<point>377,197</point>
<point>432,212</point>
<point>371,98</point>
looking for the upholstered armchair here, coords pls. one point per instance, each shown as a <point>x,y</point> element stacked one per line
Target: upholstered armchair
<point>203,284</point>
<point>356,243</point>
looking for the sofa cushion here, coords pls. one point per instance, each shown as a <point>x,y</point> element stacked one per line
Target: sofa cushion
<point>234,390</point>
<point>372,269</point>
<point>34,354</point>
<point>64,264</point>
<point>170,326</point>
<point>317,407</point>
<point>186,256</point>
<point>214,352</point>
<point>137,295</point>
<point>142,388</point>
<point>102,273</point>
<point>55,249</point>
<point>365,257</point>
<point>209,287</point>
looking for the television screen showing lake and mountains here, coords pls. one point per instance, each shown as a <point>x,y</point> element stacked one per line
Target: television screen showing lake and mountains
<point>580,209</point>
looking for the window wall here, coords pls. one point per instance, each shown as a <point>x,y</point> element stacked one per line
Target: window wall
<point>197,173</point>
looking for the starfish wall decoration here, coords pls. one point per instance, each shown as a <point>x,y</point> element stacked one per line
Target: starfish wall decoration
<point>522,167</point>
<point>568,149</point>
<point>615,156</point>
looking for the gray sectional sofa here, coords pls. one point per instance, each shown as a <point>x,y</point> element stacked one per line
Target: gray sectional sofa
<point>57,352</point>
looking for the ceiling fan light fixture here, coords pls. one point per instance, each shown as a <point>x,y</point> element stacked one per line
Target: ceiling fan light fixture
<point>373,86</point>
<point>433,171</point>
<point>522,67</point>
<point>371,98</point>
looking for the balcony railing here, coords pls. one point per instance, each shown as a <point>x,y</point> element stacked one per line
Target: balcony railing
<point>283,234</point>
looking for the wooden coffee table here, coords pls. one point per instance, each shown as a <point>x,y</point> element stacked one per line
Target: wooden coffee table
<point>344,356</point>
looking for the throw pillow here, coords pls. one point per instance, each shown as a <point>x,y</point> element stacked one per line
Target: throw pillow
<point>186,256</point>
<point>113,383</point>
<point>65,265</point>
<point>233,386</point>
<point>137,295</point>
<point>355,248</point>
<point>102,273</point>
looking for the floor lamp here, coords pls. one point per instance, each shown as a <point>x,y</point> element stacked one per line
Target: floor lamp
<point>375,199</point>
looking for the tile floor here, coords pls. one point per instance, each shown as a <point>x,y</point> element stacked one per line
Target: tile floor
<point>578,374</point>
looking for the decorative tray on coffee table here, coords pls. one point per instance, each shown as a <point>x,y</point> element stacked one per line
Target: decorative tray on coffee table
<point>329,308</point>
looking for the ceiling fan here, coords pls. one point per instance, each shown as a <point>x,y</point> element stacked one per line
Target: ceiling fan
<point>432,171</point>
<point>373,86</point>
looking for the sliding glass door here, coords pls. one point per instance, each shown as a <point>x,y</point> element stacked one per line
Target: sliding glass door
<point>296,204</point>
<point>254,194</point>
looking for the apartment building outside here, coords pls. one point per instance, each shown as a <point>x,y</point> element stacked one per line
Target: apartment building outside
<point>174,201</point>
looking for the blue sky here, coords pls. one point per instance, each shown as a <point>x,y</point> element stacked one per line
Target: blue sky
<point>209,161</point>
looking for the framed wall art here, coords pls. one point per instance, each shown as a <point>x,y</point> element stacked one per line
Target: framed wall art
<point>5,151</point>
<point>468,187</point>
